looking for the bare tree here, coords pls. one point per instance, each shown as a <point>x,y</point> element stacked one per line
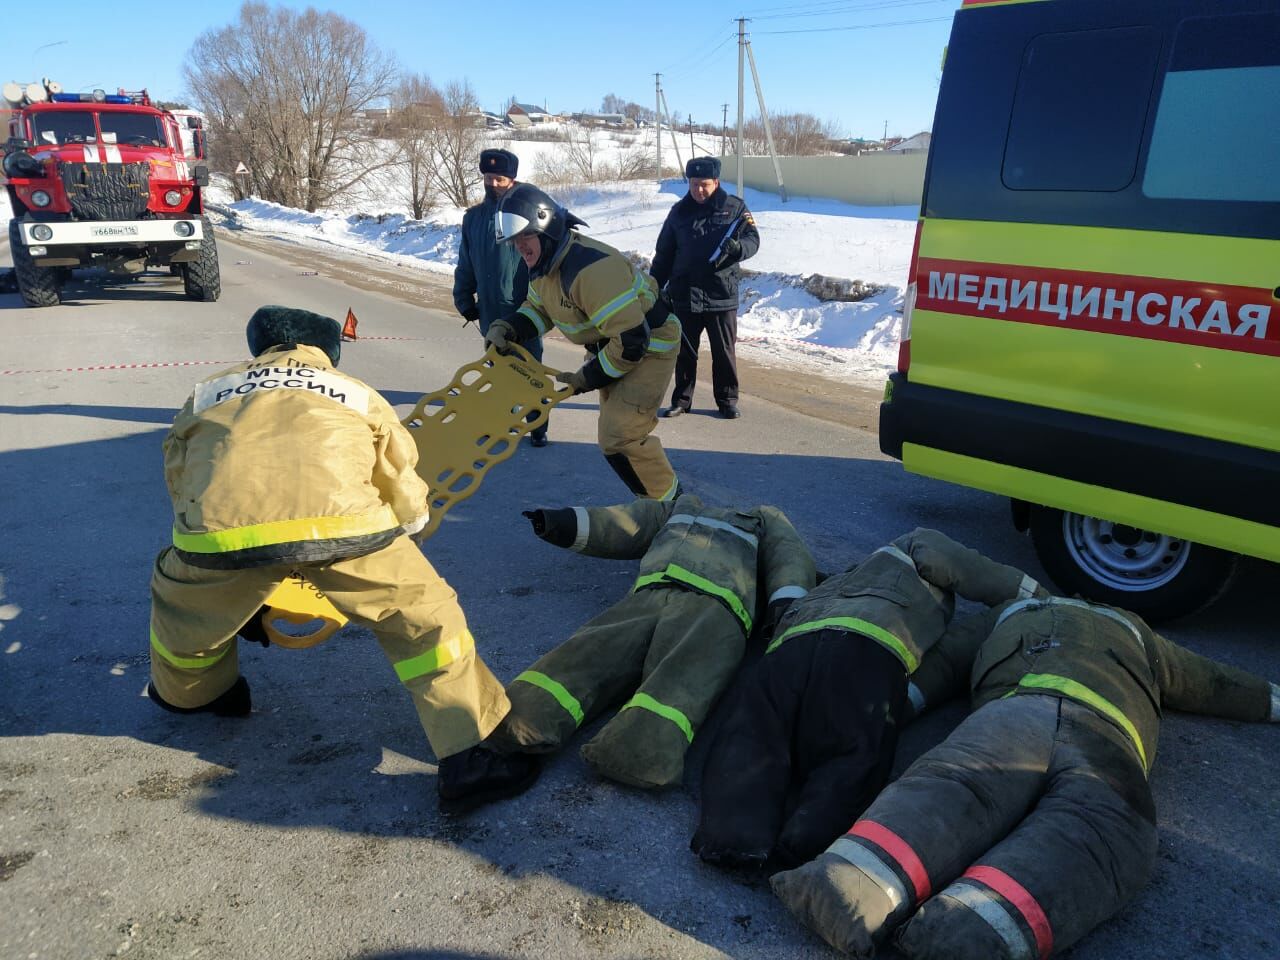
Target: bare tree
<point>455,140</point>
<point>794,135</point>
<point>582,151</point>
<point>417,108</point>
<point>285,92</point>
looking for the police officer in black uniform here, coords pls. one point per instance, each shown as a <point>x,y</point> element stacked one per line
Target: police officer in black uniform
<point>704,238</point>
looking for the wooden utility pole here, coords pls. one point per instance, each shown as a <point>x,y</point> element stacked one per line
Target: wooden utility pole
<point>675,145</point>
<point>742,25</point>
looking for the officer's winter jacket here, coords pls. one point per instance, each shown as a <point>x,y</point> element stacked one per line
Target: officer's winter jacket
<point>1105,658</point>
<point>597,298</point>
<point>284,459</point>
<point>689,238</point>
<point>490,276</point>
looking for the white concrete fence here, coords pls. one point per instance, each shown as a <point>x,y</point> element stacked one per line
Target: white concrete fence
<point>872,180</point>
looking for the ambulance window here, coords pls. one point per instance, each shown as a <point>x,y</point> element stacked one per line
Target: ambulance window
<point>1217,128</point>
<point>1080,109</point>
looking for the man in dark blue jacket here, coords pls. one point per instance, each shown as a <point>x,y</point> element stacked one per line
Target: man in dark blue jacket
<point>706,235</point>
<point>491,281</point>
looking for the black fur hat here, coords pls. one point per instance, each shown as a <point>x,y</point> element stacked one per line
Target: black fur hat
<point>703,168</point>
<point>504,163</point>
<point>273,326</point>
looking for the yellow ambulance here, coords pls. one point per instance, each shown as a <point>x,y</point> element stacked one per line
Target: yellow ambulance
<point>1092,325</point>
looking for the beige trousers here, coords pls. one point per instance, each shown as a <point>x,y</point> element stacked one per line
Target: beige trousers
<point>628,417</point>
<point>395,592</point>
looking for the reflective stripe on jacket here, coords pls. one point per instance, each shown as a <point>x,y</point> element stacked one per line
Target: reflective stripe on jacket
<point>284,459</point>
<point>597,298</point>
<point>743,558</point>
<point>902,595</point>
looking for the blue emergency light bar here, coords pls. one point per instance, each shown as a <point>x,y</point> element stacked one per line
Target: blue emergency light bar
<point>96,97</point>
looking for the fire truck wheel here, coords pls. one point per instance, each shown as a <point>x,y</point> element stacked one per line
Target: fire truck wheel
<point>1156,576</point>
<point>38,285</point>
<point>200,277</point>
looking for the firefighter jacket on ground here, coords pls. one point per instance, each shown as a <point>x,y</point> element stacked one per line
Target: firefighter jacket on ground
<point>598,299</point>
<point>1033,822</point>
<point>809,737</point>
<point>490,276</point>
<point>671,646</point>
<point>687,246</point>
<point>284,465</point>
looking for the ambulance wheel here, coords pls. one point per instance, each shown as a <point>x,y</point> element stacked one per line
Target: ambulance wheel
<point>1158,577</point>
<point>200,277</point>
<point>37,285</point>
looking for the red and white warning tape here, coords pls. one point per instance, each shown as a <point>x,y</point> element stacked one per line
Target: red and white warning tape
<point>125,366</point>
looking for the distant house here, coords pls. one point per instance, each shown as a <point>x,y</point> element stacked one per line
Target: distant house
<point>491,121</point>
<point>600,119</point>
<point>527,114</point>
<point>376,113</point>
<point>917,144</point>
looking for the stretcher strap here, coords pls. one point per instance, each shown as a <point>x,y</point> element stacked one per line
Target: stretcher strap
<point>1021,900</point>
<point>900,851</point>
<point>646,702</point>
<point>557,690</point>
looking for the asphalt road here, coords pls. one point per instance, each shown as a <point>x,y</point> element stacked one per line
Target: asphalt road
<point>309,830</point>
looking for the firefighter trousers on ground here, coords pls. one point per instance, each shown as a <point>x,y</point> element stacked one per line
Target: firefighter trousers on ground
<point>195,613</point>
<point>628,417</point>
<point>1022,831</point>
<point>807,744</point>
<point>672,652</point>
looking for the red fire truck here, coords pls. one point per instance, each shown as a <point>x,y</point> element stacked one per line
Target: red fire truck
<point>103,180</point>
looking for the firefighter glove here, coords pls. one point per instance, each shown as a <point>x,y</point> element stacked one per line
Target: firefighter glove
<point>253,631</point>
<point>774,613</point>
<point>572,378</point>
<point>470,315</point>
<point>730,254</point>
<point>558,527</point>
<point>500,336</point>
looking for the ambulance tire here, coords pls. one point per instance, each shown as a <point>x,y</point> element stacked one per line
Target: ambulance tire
<point>38,285</point>
<point>1156,576</point>
<point>200,277</point>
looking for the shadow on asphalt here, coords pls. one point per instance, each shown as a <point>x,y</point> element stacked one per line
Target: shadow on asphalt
<point>88,287</point>
<point>334,743</point>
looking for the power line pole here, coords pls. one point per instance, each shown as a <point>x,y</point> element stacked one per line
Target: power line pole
<point>886,132</point>
<point>692,148</point>
<point>657,119</point>
<point>672,127</point>
<point>724,126</point>
<point>742,24</point>
<point>768,130</point>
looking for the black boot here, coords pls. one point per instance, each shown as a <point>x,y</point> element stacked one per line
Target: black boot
<point>478,775</point>
<point>234,703</point>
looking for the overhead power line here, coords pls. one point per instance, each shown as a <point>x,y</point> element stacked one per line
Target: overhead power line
<point>859,26</point>
<point>832,7</point>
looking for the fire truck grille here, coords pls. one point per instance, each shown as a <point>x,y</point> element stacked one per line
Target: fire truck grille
<point>107,191</point>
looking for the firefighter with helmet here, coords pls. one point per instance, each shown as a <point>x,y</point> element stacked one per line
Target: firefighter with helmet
<point>598,299</point>
<point>283,465</point>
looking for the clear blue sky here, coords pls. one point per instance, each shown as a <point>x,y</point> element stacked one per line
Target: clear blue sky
<point>568,54</point>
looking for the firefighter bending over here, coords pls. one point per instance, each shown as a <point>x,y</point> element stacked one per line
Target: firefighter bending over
<point>284,465</point>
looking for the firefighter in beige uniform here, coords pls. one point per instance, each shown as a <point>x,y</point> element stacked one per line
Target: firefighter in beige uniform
<point>598,299</point>
<point>283,464</point>
<point>707,575</point>
<point>1033,821</point>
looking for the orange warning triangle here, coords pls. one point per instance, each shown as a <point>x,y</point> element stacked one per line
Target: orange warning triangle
<point>349,328</point>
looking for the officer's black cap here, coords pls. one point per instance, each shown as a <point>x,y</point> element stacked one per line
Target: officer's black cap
<point>502,163</point>
<point>273,326</point>
<point>703,168</point>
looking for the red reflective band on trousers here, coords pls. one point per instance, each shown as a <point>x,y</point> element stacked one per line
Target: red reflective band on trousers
<point>897,848</point>
<point>1022,901</point>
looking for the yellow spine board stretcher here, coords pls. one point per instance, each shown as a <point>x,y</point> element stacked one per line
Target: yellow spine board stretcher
<point>460,431</point>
